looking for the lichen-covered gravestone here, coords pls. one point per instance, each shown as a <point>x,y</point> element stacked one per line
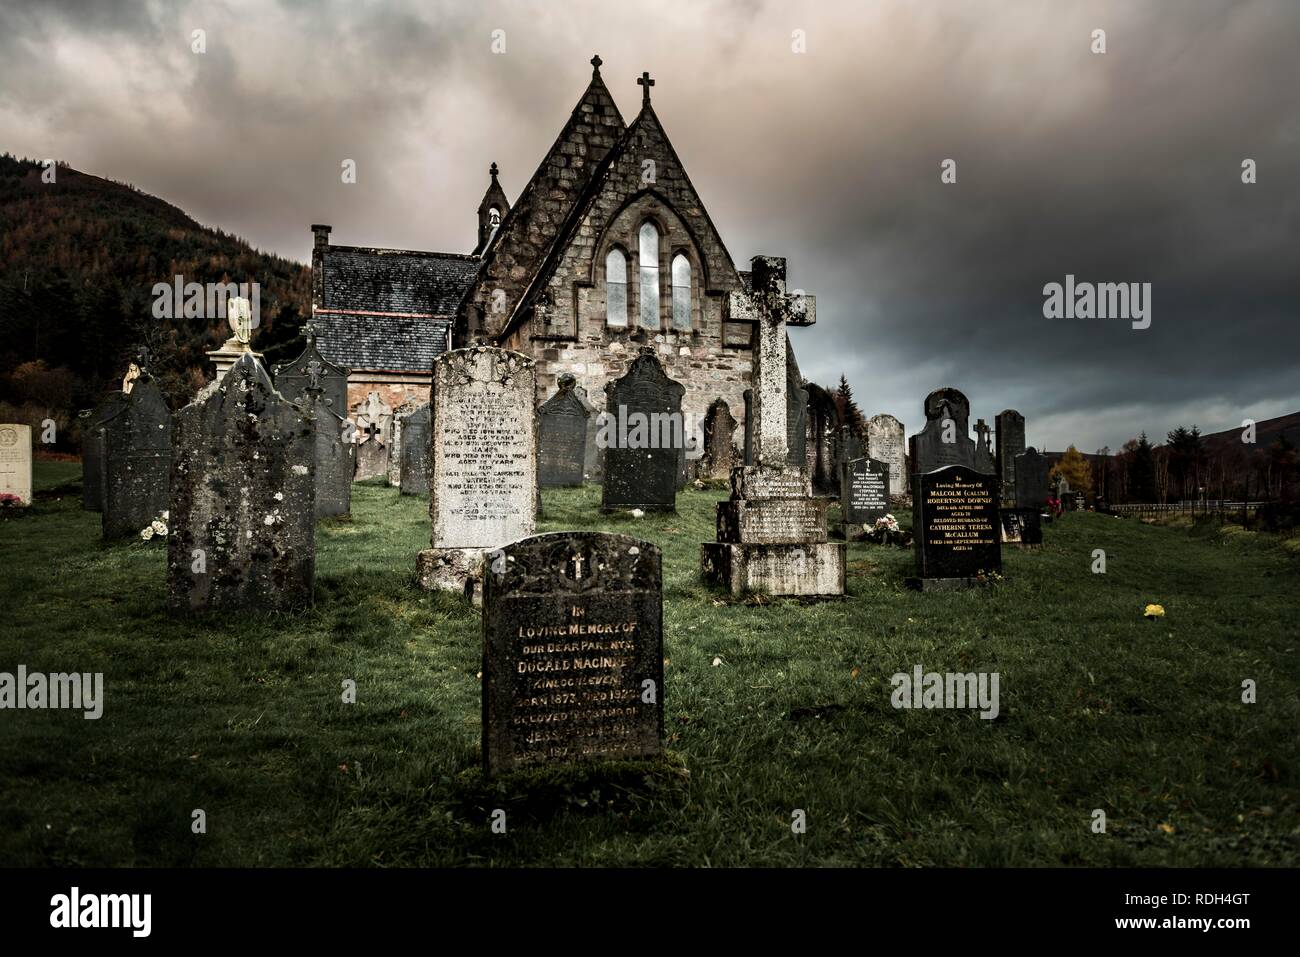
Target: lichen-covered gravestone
<point>482,463</point>
<point>887,442</point>
<point>645,438</point>
<point>16,462</point>
<point>562,437</point>
<point>374,436</point>
<point>243,497</point>
<point>956,528</point>
<point>291,378</point>
<point>719,440</point>
<point>396,457</point>
<point>796,415</point>
<point>415,430</point>
<point>334,451</point>
<point>572,651</point>
<point>135,460</point>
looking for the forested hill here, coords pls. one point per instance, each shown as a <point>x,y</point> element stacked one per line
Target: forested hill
<point>78,261</point>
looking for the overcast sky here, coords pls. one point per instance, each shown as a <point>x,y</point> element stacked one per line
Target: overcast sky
<point>1115,167</point>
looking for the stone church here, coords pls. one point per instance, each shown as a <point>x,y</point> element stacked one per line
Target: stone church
<point>607,250</point>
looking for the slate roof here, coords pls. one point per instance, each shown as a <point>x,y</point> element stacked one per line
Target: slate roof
<point>389,309</point>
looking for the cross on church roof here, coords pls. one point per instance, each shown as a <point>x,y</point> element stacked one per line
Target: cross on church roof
<point>596,61</point>
<point>309,330</point>
<point>493,170</point>
<point>645,83</point>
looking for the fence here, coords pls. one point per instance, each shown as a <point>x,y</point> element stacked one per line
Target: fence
<point>1224,511</point>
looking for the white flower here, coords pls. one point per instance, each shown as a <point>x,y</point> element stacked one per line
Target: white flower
<point>279,496</point>
<point>166,516</point>
<point>147,533</point>
<point>717,661</point>
<point>158,527</point>
<point>637,513</point>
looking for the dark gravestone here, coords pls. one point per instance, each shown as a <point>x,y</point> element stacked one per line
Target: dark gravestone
<point>562,437</point>
<point>1022,526</point>
<point>864,495</point>
<point>92,451</point>
<point>822,425</point>
<point>417,430</point>
<point>243,494</point>
<point>796,415</point>
<point>945,439</point>
<point>848,446</point>
<point>956,527</point>
<point>135,463</point>
<point>719,441</point>
<point>572,650</point>
<point>593,455</point>
<point>334,462</point>
<point>1031,479</point>
<point>1010,426</point>
<point>645,433</point>
<point>291,378</point>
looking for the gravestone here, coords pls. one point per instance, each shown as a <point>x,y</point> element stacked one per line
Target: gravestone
<point>593,455</point>
<point>374,435</point>
<point>822,424</point>
<point>956,527</point>
<point>1022,526</point>
<point>645,438</point>
<point>572,651</point>
<point>771,533</point>
<point>92,450</point>
<point>796,415</point>
<point>482,463</point>
<point>562,437</point>
<point>291,378</point>
<point>1010,426</point>
<point>135,460</point>
<point>887,442</point>
<point>984,450</point>
<point>16,462</point>
<point>945,440</point>
<point>416,433</point>
<point>848,446</point>
<point>719,440</point>
<point>243,494</point>
<point>1031,479</point>
<point>864,494</point>
<point>334,452</point>
<point>395,457</point>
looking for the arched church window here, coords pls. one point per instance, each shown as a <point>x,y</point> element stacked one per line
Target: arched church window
<point>616,288</point>
<point>681,292</point>
<point>649,256</point>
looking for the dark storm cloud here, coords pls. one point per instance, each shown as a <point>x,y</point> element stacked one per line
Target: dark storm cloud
<point>1116,167</point>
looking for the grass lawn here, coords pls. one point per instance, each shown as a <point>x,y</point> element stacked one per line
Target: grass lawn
<point>770,707</point>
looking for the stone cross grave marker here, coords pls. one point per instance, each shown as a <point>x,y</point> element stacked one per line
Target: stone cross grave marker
<point>292,377</point>
<point>572,651</point>
<point>983,449</point>
<point>374,432</point>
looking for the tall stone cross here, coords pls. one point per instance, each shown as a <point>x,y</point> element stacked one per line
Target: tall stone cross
<point>774,309</point>
<point>645,83</point>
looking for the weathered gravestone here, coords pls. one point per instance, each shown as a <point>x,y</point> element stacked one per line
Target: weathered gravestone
<point>374,436</point>
<point>16,462</point>
<point>562,437</point>
<point>291,378</point>
<point>719,440</point>
<point>956,527</point>
<point>848,446</point>
<point>796,415</point>
<point>822,424</point>
<point>945,439</point>
<point>482,463</point>
<point>645,438</point>
<point>887,442</point>
<point>135,460</point>
<point>572,651</point>
<point>1022,526</point>
<point>401,415</point>
<point>864,494</point>
<point>335,463</point>
<point>1010,426</point>
<point>1031,479</point>
<point>984,450</point>
<point>771,532</point>
<point>243,494</point>
<point>593,454</point>
<point>416,435</point>
<point>92,450</point>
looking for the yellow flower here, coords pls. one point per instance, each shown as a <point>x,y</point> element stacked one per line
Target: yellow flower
<point>1154,611</point>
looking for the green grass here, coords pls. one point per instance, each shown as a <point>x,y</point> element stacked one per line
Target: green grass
<point>241,715</point>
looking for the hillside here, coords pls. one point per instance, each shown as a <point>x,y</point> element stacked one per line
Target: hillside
<point>78,261</point>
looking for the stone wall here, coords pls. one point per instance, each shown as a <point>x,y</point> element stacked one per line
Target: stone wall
<point>394,394</point>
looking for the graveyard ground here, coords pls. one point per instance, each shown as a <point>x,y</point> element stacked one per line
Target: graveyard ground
<point>770,708</point>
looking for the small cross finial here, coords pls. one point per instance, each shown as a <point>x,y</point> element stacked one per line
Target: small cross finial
<point>596,61</point>
<point>645,83</point>
<point>309,330</point>
<point>493,170</point>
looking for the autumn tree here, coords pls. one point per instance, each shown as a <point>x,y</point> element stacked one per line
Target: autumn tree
<point>1075,469</point>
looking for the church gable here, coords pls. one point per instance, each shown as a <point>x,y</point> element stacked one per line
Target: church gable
<point>530,227</point>
<point>643,182</point>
